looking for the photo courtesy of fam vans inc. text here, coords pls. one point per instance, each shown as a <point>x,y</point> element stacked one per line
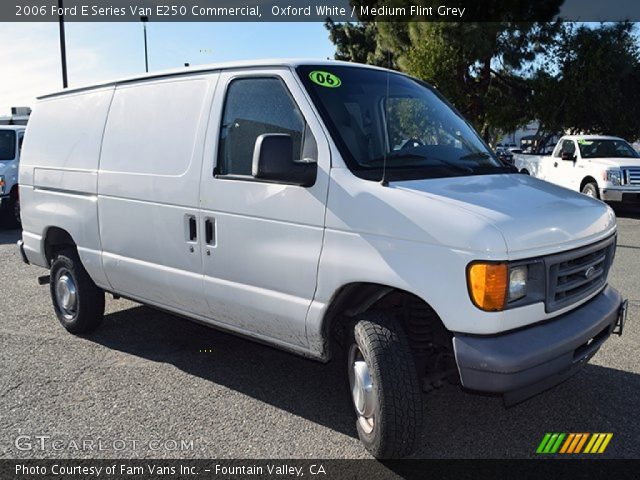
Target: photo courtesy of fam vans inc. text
<point>363,239</point>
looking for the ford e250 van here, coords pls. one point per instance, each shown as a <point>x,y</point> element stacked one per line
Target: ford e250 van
<point>330,209</point>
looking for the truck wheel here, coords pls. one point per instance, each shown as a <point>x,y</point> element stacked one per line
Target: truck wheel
<point>384,386</point>
<point>78,302</point>
<point>590,190</point>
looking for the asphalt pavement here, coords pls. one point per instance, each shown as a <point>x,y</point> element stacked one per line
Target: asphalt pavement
<point>151,385</point>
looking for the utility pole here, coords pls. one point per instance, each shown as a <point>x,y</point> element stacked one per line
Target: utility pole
<point>144,21</point>
<point>63,46</point>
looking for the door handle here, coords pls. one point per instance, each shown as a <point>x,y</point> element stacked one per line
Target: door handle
<point>209,231</point>
<point>193,229</point>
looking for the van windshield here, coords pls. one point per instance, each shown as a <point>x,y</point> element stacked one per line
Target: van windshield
<point>384,118</point>
<point>7,144</point>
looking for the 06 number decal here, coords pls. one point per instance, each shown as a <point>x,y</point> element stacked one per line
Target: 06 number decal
<point>325,79</point>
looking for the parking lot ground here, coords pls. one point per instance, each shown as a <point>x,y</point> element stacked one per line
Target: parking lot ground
<point>154,380</point>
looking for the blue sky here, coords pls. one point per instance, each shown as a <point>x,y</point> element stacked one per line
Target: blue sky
<point>30,55</point>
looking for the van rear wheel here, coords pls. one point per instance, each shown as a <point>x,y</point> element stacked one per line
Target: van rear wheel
<point>77,301</point>
<point>384,386</point>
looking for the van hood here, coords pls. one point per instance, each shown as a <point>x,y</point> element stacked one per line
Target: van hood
<point>531,214</point>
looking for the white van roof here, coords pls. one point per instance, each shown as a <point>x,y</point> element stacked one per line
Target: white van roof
<point>279,62</point>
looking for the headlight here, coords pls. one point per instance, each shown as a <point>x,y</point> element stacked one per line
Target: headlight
<point>494,286</point>
<point>518,282</point>
<point>613,176</point>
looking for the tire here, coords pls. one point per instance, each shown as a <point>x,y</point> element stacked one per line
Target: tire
<point>389,417</point>
<point>590,190</point>
<point>77,301</point>
<point>524,171</point>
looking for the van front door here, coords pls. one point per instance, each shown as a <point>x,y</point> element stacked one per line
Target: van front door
<point>263,239</point>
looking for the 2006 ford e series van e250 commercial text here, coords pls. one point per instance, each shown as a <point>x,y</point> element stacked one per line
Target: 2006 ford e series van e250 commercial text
<point>330,209</point>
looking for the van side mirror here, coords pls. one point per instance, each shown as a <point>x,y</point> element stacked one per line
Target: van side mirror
<point>568,156</point>
<point>273,161</point>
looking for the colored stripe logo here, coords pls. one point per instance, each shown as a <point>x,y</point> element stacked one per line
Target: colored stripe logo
<point>573,443</point>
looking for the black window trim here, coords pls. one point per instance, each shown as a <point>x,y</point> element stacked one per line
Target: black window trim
<point>15,144</point>
<point>251,178</point>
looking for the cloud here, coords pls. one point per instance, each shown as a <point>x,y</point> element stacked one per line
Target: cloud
<point>29,63</point>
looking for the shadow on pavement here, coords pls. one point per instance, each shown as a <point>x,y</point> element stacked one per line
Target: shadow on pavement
<point>627,210</point>
<point>458,424</point>
<point>307,388</point>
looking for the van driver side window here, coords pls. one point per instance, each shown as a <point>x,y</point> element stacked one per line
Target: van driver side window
<point>253,107</point>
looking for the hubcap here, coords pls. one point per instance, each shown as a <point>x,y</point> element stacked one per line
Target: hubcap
<point>66,295</point>
<point>362,393</point>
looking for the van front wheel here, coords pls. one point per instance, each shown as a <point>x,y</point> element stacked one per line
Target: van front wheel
<point>384,386</point>
<point>78,302</point>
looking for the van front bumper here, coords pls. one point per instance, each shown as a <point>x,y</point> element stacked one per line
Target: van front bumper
<point>524,362</point>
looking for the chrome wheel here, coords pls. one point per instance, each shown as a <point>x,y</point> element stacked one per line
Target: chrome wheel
<point>362,393</point>
<point>66,295</point>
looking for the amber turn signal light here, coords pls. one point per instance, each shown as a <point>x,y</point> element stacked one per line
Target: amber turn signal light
<point>488,285</point>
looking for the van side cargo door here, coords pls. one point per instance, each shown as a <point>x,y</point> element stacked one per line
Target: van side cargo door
<point>148,190</point>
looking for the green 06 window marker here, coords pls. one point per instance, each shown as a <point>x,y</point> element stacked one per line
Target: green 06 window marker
<point>325,79</point>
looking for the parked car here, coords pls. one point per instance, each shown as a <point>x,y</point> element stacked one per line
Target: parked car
<point>504,155</point>
<point>602,167</point>
<point>10,146</point>
<point>268,199</point>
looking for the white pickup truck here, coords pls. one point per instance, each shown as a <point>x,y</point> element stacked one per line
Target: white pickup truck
<point>603,167</point>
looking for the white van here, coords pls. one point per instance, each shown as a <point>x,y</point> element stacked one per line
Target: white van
<point>11,137</point>
<point>334,210</point>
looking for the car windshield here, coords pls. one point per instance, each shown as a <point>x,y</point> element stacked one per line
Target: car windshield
<point>609,148</point>
<point>379,118</point>
<point>7,144</point>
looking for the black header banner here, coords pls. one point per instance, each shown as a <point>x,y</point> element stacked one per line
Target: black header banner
<point>319,10</point>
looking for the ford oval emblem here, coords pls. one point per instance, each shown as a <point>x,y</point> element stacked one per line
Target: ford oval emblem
<point>589,272</point>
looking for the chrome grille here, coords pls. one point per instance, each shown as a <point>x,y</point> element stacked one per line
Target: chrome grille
<point>573,276</point>
<point>631,175</point>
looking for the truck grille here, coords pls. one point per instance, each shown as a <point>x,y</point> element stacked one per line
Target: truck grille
<point>631,176</point>
<point>574,275</point>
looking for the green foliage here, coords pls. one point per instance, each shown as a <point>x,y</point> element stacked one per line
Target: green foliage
<point>595,87</point>
<point>501,75</point>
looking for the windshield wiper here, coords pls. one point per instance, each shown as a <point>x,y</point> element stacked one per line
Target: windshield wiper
<point>475,155</point>
<point>415,156</point>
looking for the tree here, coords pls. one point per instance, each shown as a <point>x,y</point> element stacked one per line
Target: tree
<point>595,85</point>
<point>480,67</point>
